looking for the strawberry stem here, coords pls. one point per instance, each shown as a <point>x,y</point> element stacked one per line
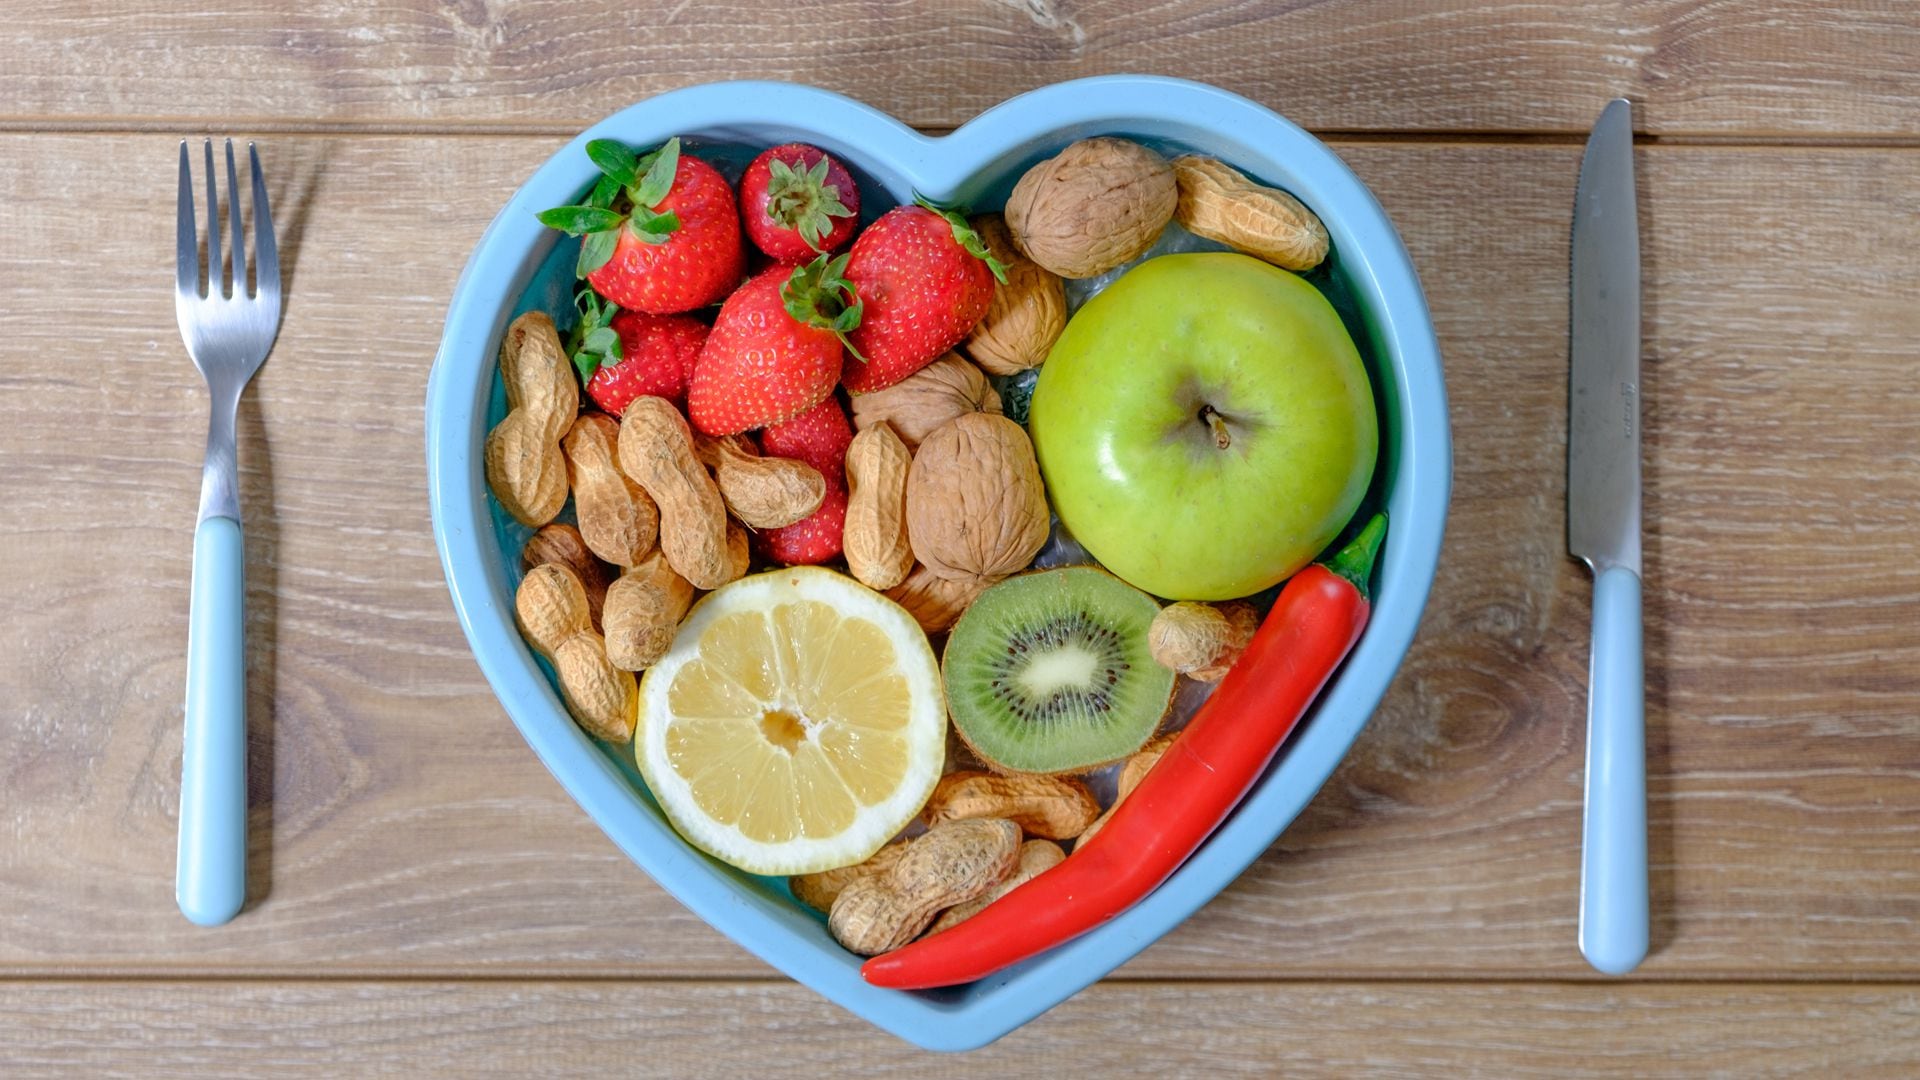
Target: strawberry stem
<point>964,235</point>
<point>818,294</point>
<point>802,200</point>
<point>639,182</point>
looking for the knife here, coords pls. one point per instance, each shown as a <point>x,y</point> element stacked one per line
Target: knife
<point>1603,528</point>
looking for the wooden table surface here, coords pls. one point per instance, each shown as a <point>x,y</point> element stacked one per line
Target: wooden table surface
<point>425,899</point>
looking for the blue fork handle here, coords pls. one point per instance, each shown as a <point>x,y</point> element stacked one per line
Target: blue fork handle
<point>210,882</point>
<point>1613,864</point>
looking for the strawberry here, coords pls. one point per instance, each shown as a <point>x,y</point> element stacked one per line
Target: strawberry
<point>820,437</point>
<point>660,233</point>
<point>660,351</point>
<point>924,278</point>
<point>622,355</point>
<point>775,348</point>
<point>797,202</point>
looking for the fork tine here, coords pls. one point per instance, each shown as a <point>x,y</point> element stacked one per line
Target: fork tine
<point>238,239</point>
<point>214,283</point>
<point>186,268</point>
<point>266,258</point>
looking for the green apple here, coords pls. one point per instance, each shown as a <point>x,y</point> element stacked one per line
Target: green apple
<point>1205,426</point>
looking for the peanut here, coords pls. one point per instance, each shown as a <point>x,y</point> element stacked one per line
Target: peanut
<point>617,519</point>
<point>875,536</point>
<point>1036,857</point>
<point>936,603</point>
<point>644,609</point>
<point>1053,807</point>
<point>818,891</point>
<point>524,466</point>
<point>1220,203</point>
<point>948,865</point>
<point>551,607</point>
<point>1202,641</point>
<point>707,447</point>
<point>1134,771</point>
<point>763,492</point>
<point>656,451</point>
<point>739,551</point>
<point>561,543</point>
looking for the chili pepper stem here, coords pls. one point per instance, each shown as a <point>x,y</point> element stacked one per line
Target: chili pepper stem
<point>1354,562</point>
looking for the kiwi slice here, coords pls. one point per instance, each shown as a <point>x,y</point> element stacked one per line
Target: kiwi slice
<point>1049,672</point>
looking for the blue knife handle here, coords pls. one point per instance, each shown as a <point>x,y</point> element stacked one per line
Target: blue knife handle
<point>210,882</point>
<point>1613,865</point>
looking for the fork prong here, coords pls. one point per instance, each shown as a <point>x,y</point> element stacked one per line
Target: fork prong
<point>213,228</point>
<point>186,267</point>
<point>238,239</point>
<point>266,257</point>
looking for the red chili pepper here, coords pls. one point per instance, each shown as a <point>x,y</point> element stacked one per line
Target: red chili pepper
<point>1196,784</point>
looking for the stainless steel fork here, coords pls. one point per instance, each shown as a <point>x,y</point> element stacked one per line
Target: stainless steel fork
<point>228,332</point>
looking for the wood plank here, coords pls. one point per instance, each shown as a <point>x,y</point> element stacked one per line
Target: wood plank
<point>1512,1031</point>
<point>406,829</point>
<point>1797,67</point>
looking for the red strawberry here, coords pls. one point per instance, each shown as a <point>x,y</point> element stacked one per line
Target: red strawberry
<point>622,355</point>
<point>924,278</point>
<point>798,202</point>
<point>775,348</point>
<point>661,232</point>
<point>820,437</point>
<point>657,357</point>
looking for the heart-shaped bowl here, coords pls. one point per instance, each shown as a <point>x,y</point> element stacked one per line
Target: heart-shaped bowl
<point>520,265</point>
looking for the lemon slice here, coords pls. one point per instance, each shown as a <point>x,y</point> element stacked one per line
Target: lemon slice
<point>796,725</point>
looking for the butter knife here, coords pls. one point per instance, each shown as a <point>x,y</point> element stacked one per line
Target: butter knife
<point>1603,528</point>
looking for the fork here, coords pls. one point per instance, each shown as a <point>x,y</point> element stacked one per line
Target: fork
<point>228,333</point>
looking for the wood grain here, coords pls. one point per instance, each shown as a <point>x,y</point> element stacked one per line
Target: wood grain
<point>401,826</point>
<point>527,1029</point>
<point>1795,67</point>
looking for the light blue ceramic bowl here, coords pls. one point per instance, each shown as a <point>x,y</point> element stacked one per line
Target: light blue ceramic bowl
<point>520,265</point>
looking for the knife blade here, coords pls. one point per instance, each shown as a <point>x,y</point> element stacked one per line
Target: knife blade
<point>1603,528</point>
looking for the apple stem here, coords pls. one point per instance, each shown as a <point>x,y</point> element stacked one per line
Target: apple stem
<point>1213,420</point>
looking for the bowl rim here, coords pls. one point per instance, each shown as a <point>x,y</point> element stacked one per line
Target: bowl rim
<point>1383,279</point>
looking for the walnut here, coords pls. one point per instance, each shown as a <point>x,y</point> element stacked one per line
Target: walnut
<point>975,504</point>
<point>1028,311</point>
<point>936,603</point>
<point>914,406</point>
<point>1098,203</point>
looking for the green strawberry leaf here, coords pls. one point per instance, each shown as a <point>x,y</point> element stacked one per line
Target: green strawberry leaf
<point>605,190</point>
<point>659,178</point>
<point>615,160</point>
<point>601,339</point>
<point>579,220</point>
<point>595,251</point>
<point>652,228</point>
<point>965,236</point>
<point>592,343</point>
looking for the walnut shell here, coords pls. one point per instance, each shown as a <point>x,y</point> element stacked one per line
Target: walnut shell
<point>975,504</point>
<point>1028,311</point>
<point>1098,203</point>
<point>947,388</point>
<point>936,603</point>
